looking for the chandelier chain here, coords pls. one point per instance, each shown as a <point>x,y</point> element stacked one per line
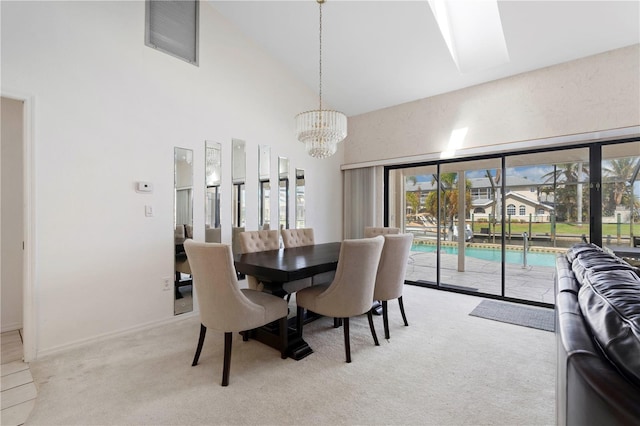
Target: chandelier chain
<point>320,67</point>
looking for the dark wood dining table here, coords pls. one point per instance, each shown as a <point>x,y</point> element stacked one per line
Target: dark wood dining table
<point>276,267</point>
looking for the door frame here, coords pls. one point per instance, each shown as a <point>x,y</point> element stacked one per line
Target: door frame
<point>29,324</point>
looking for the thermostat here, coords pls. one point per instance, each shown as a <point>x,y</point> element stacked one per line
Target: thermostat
<point>144,187</point>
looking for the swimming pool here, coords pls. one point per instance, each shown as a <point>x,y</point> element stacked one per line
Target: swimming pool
<point>494,255</point>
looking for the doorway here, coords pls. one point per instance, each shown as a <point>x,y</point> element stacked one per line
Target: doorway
<point>17,220</point>
<point>12,214</point>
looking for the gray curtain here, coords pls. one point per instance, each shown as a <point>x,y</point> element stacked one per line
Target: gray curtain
<point>359,201</point>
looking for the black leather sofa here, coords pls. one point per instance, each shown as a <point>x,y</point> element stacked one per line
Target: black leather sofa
<point>598,338</point>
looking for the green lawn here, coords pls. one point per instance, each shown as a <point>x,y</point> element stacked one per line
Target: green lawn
<point>561,228</point>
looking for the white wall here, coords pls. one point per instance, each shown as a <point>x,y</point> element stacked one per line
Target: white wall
<point>587,95</point>
<point>12,223</point>
<point>108,112</point>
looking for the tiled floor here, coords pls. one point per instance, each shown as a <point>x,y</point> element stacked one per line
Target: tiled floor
<point>18,390</point>
<point>534,283</point>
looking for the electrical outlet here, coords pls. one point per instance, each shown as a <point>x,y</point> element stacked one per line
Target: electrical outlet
<point>166,283</point>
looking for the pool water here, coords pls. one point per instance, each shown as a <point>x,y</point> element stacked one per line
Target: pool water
<point>494,255</point>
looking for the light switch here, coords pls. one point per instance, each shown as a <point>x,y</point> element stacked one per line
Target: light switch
<point>148,211</point>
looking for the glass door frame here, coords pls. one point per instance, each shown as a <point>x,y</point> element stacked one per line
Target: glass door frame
<point>595,211</point>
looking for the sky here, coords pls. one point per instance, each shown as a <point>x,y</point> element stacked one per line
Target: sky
<point>532,173</point>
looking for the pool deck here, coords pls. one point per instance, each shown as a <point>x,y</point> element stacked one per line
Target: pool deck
<point>535,283</point>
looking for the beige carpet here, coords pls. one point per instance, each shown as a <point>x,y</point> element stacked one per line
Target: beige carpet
<point>446,368</point>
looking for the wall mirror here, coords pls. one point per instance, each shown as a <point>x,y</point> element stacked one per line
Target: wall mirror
<point>212,178</point>
<point>283,192</point>
<point>183,228</point>
<point>264,186</point>
<point>300,207</point>
<point>238,176</point>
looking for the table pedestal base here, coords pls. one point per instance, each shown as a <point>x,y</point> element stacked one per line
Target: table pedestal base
<point>297,348</point>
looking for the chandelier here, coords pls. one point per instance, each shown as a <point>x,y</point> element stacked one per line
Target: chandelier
<point>321,130</point>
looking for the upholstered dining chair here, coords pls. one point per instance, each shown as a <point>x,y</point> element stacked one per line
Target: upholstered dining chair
<point>255,241</point>
<point>374,231</point>
<point>213,235</point>
<point>297,237</point>
<point>224,306</point>
<point>351,292</point>
<point>391,272</point>
<point>235,239</point>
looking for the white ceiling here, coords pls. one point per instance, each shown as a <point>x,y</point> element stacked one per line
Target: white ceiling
<point>378,54</point>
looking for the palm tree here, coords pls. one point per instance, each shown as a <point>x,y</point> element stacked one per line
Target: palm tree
<point>619,173</point>
<point>566,173</point>
<point>494,181</point>
<point>413,201</point>
<point>412,198</point>
<point>449,202</point>
<point>567,178</point>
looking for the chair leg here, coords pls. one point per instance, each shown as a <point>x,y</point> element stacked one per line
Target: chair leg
<point>372,327</point>
<point>288,298</point>
<point>228,337</point>
<point>299,320</point>
<point>203,331</point>
<point>347,344</point>
<point>284,335</point>
<point>337,322</point>
<point>385,319</point>
<point>404,317</point>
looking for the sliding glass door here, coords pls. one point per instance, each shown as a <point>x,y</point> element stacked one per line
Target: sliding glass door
<point>470,253</point>
<point>409,189</point>
<point>494,225</point>
<point>621,195</point>
<point>547,210</point>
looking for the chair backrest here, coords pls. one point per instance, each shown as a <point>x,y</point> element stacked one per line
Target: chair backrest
<point>235,239</point>
<point>393,266</point>
<point>213,235</point>
<point>297,237</point>
<point>179,234</point>
<point>374,231</point>
<point>223,307</point>
<point>351,291</point>
<point>254,241</point>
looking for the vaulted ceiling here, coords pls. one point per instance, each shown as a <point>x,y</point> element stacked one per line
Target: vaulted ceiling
<point>378,54</point>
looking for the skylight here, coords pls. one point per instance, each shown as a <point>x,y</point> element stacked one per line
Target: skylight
<point>473,33</point>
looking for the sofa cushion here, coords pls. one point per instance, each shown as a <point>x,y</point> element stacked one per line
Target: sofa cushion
<point>610,304</point>
<point>597,261</point>
<point>576,249</point>
<point>565,278</point>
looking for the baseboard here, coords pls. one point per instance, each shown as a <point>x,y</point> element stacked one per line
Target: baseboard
<point>106,336</point>
<point>10,327</point>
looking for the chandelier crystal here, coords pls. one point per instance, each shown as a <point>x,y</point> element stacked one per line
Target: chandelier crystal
<point>321,130</point>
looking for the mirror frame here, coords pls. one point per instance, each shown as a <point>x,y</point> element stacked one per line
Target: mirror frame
<point>238,191</point>
<point>264,187</point>
<point>212,194</point>
<point>182,180</point>
<point>238,178</point>
<point>300,199</point>
<point>283,192</point>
